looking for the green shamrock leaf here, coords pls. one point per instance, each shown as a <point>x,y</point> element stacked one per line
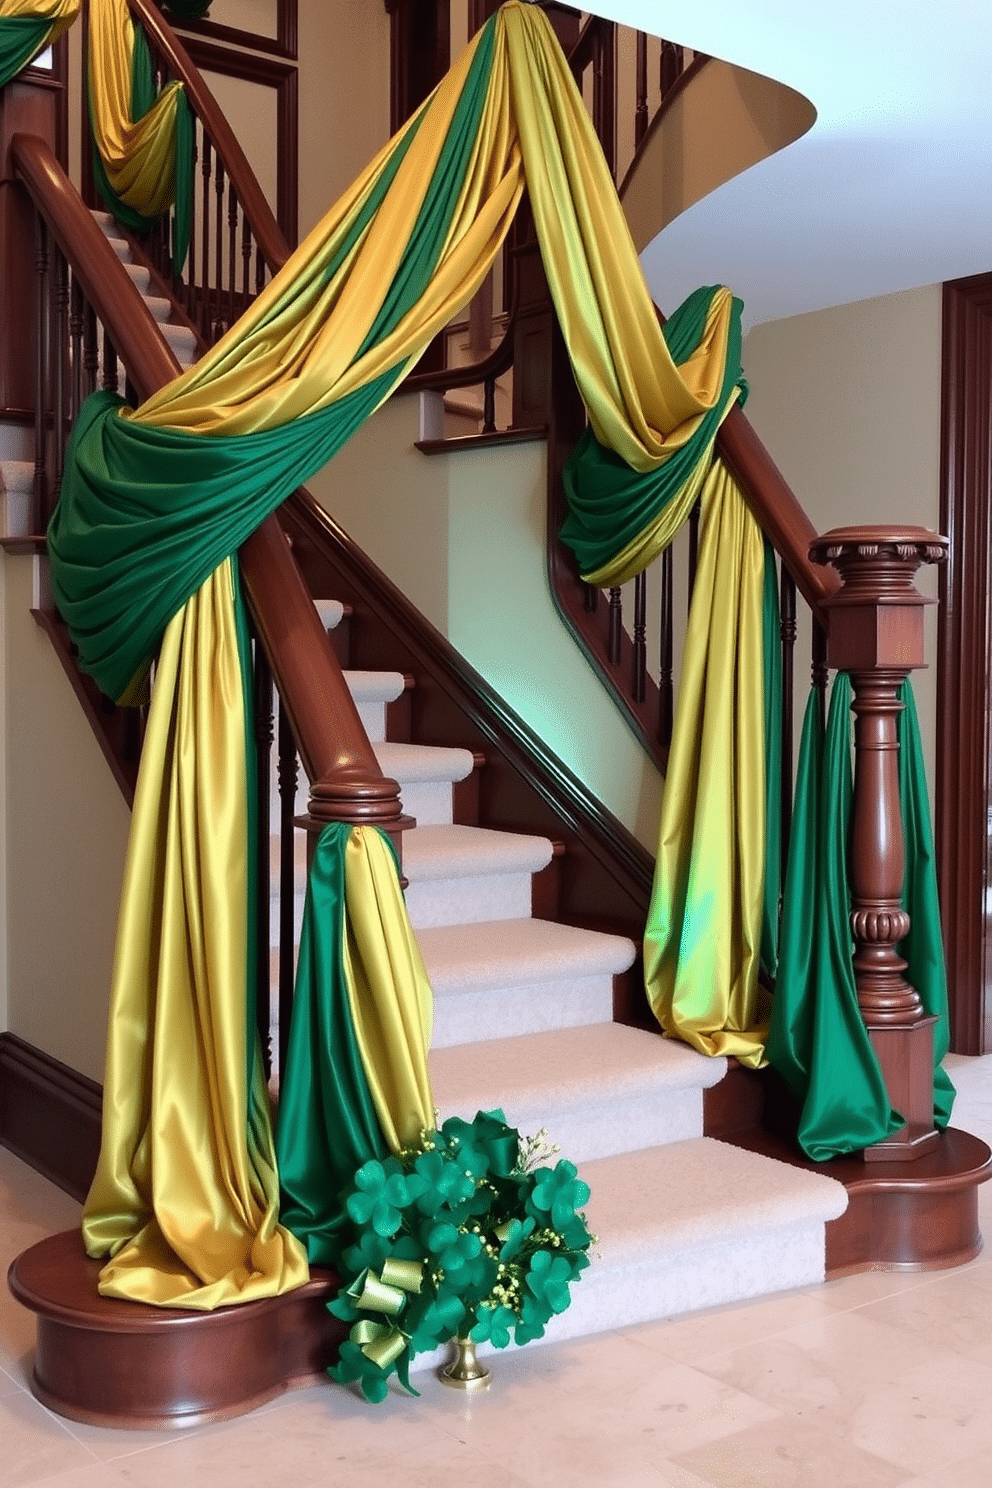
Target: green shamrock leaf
<point>454,1248</point>
<point>382,1192</point>
<point>494,1326</point>
<point>558,1192</point>
<point>447,1184</point>
<point>548,1280</point>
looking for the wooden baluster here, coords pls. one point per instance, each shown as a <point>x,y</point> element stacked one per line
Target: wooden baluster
<point>820,671</point>
<point>91,349</point>
<point>259,272</point>
<point>590,598</point>
<point>111,376</point>
<point>41,378</point>
<point>604,92</point>
<point>232,253</point>
<point>59,324</point>
<point>288,766</point>
<point>246,246</point>
<point>787,634</point>
<point>666,693</point>
<point>218,328</point>
<point>876,635</point>
<point>489,406</point>
<point>672,62</point>
<point>639,657</point>
<point>693,548</point>
<point>641,105</point>
<point>76,345</point>
<point>263,757</point>
<point>189,269</point>
<point>616,624</point>
<point>206,168</point>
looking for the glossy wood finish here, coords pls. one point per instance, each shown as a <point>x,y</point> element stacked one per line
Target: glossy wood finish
<point>876,635</point>
<point>963,805</point>
<point>49,1115</point>
<point>283,44</point>
<point>919,1216</point>
<point>113,1363</point>
<point>26,106</point>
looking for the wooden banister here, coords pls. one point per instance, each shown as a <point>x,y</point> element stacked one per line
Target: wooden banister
<point>347,783</point>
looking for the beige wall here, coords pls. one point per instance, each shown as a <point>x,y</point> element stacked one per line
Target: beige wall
<point>64,842</point>
<point>848,402</point>
<point>463,535</point>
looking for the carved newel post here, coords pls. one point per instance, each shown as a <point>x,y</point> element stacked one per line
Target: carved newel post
<point>876,635</point>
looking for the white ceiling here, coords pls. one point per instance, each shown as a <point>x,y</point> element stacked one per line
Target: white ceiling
<point>891,188</point>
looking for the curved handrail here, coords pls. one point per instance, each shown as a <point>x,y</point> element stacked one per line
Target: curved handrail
<point>268,234</point>
<point>347,782</point>
<point>685,77</point>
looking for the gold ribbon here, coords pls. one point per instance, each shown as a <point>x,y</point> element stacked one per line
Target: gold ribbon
<point>382,1343</point>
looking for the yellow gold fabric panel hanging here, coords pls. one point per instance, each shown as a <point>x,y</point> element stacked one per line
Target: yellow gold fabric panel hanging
<point>186,1197</point>
<point>703,939</point>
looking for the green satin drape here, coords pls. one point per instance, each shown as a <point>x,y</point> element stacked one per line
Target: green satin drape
<point>361,1005</point>
<point>27,27</point>
<point>817,1040</point>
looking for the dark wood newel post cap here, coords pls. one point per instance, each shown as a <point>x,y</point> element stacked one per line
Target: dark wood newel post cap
<point>876,616</point>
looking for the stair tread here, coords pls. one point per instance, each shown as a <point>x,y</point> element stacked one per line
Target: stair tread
<point>424,762</point>
<point>448,851</point>
<point>566,1069</point>
<point>518,951</point>
<point>374,687</point>
<point>699,1191</point>
<point>331,612</point>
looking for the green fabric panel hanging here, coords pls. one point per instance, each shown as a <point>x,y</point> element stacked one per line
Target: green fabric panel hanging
<point>771,638</point>
<point>923,948</point>
<point>21,39</point>
<point>609,504</point>
<point>818,1041</point>
<point>327,1125</point>
<point>146,514</point>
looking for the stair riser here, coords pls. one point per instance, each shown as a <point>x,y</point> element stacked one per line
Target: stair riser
<point>504,1012</point>
<point>590,1131</point>
<point>668,1284</point>
<point>469,901</point>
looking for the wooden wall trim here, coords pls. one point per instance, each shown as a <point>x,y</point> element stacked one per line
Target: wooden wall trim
<point>49,1115</point>
<point>285,43</point>
<point>963,802</point>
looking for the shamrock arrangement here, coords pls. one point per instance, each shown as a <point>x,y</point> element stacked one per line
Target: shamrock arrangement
<point>467,1233</point>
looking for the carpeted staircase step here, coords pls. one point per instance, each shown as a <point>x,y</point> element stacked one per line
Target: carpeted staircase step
<point>426,775</point>
<point>692,1224</point>
<point>460,875</point>
<point>181,339</point>
<point>597,1090</point>
<point>524,976</point>
<point>372,692</point>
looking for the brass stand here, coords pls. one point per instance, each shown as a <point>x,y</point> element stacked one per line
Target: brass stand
<point>464,1372</point>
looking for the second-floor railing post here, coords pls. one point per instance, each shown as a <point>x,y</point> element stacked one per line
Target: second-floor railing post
<point>876,635</point>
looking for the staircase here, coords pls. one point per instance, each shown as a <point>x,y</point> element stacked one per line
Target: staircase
<point>523,1020</point>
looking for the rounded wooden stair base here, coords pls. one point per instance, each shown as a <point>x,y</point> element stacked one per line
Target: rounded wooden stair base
<point>112,1363</point>
<point>919,1215</point>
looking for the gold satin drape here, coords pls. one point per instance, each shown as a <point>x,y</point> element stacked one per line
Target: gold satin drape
<point>703,941</point>
<point>186,1196</point>
<point>139,158</point>
<point>294,351</point>
<point>390,996</point>
<point>62,13</point>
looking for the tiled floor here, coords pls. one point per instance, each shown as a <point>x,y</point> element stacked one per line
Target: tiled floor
<point>871,1382</point>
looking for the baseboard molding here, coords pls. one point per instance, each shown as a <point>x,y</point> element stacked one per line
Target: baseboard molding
<point>49,1115</point>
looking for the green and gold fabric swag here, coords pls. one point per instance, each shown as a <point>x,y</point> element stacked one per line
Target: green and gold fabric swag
<point>27,27</point>
<point>142,143</point>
